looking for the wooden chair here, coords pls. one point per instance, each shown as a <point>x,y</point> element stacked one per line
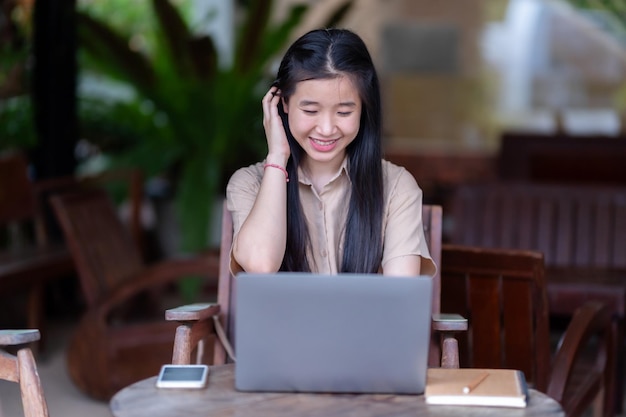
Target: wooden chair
<point>22,369</point>
<point>503,295</point>
<point>580,229</point>
<point>113,346</point>
<point>34,253</point>
<point>196,324</point>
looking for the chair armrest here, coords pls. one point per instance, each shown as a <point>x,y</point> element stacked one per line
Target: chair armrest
<point>196,324</point>
<point>447,325</point>
<point>192,312</point>
<point>18,337</point>
<point>592,319</point>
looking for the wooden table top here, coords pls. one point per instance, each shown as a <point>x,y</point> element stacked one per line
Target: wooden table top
<point>221,399</point>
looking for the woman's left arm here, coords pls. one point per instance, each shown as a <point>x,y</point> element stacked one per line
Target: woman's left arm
<point>403,266</point>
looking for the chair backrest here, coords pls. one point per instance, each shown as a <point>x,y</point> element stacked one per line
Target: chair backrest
<point>22,369</point>
<point>103,250</point>
<point>131,181</point>
<point>432,220</point>
<point>502,293</point>
<point>572,225</point>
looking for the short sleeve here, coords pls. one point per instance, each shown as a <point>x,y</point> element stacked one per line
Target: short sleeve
<point>403,226</point>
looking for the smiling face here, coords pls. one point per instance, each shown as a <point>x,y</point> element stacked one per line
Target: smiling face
<point>324,117</point>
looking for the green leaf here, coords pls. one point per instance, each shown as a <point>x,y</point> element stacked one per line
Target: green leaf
<point>203,57</point>
<point>247,52</point>
<point>112,51</point>
<point>176,35</point>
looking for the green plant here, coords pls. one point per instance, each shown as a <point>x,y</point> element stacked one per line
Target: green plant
<point>16,113</point>
<point>188,118</point>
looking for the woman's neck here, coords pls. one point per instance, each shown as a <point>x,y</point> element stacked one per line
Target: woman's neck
<point>320,173</point>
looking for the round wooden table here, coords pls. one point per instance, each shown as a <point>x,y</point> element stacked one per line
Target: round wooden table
<point>220,398</point>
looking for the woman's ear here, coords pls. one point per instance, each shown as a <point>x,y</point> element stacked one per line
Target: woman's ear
<point>284,103</point>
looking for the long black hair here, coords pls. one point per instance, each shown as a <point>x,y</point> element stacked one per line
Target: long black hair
<point>327,54</point>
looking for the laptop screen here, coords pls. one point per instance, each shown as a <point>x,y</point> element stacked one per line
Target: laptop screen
<point>304,332</point>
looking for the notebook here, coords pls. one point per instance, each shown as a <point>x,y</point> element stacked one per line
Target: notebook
<point>346,333</point>
<point>486,387</point>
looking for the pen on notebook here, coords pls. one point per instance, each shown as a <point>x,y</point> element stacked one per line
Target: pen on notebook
<point>472,385</point>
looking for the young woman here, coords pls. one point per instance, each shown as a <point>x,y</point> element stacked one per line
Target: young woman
<point>324,200</point>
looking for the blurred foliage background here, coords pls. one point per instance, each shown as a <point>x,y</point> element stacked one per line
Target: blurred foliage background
<point>16,121</point>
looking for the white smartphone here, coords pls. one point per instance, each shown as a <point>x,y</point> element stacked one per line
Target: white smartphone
<point>183,376</point>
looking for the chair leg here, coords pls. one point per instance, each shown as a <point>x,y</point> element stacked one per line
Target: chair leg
<point>33,399</point>
<point>181,354</point>
<point>450,352</point>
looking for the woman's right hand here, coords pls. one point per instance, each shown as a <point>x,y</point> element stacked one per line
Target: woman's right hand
<point>259,245</point>
<point>277,144</point>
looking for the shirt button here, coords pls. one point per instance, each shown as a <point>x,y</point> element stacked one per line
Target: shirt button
<point>324,253</point>
<point>321,206</point>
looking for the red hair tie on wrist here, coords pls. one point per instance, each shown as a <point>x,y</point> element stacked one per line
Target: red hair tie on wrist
<point>278,167</point>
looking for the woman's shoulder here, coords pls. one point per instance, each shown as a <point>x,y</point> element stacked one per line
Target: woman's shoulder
<point>247,175</point>
<point>397,175</point>
<point>390,167</point>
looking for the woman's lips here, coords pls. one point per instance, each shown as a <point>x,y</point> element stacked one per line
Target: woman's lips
<point>323,145</point>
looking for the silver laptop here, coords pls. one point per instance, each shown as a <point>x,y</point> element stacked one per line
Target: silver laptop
<point>353,333</point>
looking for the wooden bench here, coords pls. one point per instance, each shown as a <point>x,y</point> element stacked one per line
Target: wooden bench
<point>580,229</point>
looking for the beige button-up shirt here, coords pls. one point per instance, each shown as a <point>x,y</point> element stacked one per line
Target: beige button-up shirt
<point>326,213</point>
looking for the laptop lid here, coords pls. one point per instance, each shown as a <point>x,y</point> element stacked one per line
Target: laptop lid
<point>357,333</point>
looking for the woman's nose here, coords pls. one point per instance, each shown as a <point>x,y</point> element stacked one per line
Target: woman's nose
<point>326,125</point>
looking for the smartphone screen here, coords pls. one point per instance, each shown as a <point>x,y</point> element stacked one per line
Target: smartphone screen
<point>182,376</point>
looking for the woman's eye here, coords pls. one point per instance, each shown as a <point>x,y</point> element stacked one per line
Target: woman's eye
<point>344,113</point>
<point>309,111</point>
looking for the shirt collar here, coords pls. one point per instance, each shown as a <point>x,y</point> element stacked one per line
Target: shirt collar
<point>343,170</point>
